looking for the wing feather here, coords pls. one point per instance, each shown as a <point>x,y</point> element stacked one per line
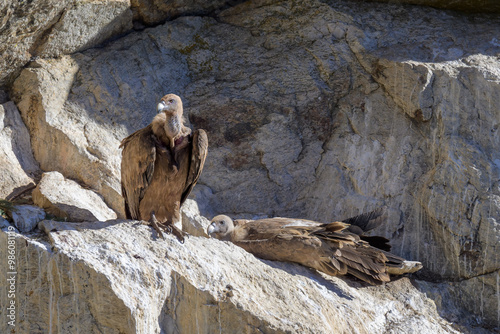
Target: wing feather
<point>137,168</point>
<point>331,248</point>
<point>199,148</point>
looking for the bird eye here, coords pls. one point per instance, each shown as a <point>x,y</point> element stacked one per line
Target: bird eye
<point>171,101</point>
<point>222,222</point>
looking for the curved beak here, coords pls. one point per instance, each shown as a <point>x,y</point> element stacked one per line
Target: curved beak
<point>160,106</point>
<point>211,229</point>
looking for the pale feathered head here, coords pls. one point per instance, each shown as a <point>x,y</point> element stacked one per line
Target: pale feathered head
<point>220,227</point>
<point>170,104</point>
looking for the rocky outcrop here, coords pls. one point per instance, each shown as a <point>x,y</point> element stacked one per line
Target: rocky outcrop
<point>470,6</point>
<point>46,28</point>
<point>64,137</point>
<point>113,278</point>
<point>317,110</point>
<point>18,168</point>
<point>50,28</point>
<point>68,200</point>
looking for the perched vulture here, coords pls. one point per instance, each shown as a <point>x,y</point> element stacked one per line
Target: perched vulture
<point>161,163</point>
<point>336,248</point>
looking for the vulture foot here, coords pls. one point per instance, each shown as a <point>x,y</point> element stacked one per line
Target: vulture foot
<point>155,224</point>
<point>165,227</point>
<point>171,229</point>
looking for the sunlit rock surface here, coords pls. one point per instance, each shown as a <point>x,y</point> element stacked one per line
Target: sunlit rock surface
<point>114,278</point>
<point>18,168</point>
<point>64,136</point>
<point>192,222</point>
<point>67,200</point>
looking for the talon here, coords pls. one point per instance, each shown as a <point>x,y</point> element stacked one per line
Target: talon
<point>172,229</point>
<point>168,229</point>
<point>179,234</point>
<point>154,222</point>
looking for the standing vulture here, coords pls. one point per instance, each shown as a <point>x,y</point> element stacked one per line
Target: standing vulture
<point>161,163</point>
<point>336,248</point>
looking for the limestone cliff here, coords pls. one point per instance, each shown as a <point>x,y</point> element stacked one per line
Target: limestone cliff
<point>314,109</point>
<point>111,277</point>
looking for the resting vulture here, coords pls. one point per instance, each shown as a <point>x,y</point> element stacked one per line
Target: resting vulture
<point>161,163</point>
<point>336,248</point>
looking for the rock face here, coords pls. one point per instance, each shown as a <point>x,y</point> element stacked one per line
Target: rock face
<point>18,168</point>
<point>66,199</point>
<point>63,136</point>
<point>50,28</point>
<point>152,12</point>
<point>42,28</point>
<point>317,109</point>
<point>474,6</point>
<point>192,222</point>
<point>112,278</point>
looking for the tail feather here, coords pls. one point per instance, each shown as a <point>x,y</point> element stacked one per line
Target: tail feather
<point>332,267</point>
<point>393,260</point>
<point>374,279</point>
<point>377,242</point>
<point>406,267</point>
<point>365,263</point>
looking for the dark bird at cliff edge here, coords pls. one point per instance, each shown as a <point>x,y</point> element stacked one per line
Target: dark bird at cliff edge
<point>337,248</point>
<point>161,163</point>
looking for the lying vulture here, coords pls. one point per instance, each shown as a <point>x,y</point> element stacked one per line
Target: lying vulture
<point>161,163</point>
<point>336,248</point>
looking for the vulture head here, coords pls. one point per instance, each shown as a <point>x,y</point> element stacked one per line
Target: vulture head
<point>221,227</point>
<point>171,106</point>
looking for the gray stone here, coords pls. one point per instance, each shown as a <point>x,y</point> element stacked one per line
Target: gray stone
<point>192,222</point>
<point>18,168</point>
<point>96,21</point>
<point>66,199</point>
<point>31,29</point>
<point>4,96</point>
<point>469,6</point>
<point>27,217</point>
<point>112,277</point>
<point>4,223</point>
<point>64,137</point>
<point>151,12</point>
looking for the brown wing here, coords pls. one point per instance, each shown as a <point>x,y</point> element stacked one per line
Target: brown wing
<point>269,227</point>
<point>137,167</point>
<point>280,239</point>
<point>359,258</point>
<point>199,148</point>
<point>325,247</point>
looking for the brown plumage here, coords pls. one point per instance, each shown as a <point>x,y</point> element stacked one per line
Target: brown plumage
<point>161,163</point>
<point>330,248</point>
